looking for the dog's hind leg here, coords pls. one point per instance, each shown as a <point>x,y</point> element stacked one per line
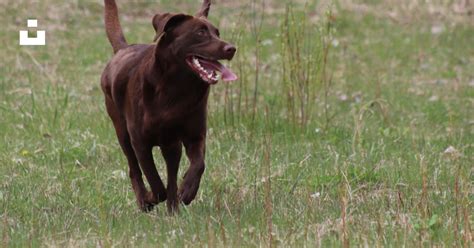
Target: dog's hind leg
<point>145,158</point>
<point>172,156</point>
<point>145,199</point>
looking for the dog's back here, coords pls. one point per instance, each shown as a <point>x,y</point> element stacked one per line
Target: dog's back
<point>120,68</point>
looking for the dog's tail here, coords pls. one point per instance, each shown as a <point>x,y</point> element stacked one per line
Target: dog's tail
<point>112,26</point>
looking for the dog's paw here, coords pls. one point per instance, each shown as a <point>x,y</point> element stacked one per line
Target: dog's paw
<point>155,199</point>
<point>149,200</point>
<point>173,207</point>
<point>146,207</point>
<point>187,194</point>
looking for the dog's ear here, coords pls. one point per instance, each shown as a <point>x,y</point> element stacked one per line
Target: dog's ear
<point>206,5</point>
<point>163,23</point>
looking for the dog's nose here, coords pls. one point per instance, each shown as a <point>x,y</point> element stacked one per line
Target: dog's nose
<point>230,50</point>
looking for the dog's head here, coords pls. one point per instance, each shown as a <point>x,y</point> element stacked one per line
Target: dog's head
<point>195,43</point>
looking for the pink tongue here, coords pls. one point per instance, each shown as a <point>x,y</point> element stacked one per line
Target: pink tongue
<point>227,74</point>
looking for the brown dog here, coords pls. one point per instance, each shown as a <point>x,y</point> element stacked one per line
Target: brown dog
<point>156,95</point>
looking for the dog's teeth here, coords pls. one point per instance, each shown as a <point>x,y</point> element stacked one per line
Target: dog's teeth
<point>196,62</point>
<point>206,75</point>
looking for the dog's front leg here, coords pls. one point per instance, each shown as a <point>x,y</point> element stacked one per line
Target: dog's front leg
<point>172,156</point>
<point>145,158</point>
<point>195,150</point>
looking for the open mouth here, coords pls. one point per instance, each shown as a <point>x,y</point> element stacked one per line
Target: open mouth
<point>210,70</point>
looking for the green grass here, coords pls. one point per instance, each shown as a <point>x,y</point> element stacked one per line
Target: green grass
<point>366,165</point>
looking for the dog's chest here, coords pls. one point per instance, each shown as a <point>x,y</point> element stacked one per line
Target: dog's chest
<point>163,122</point>
<point>178,104</point>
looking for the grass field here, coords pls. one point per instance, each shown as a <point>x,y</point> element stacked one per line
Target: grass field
<point>352,124</point>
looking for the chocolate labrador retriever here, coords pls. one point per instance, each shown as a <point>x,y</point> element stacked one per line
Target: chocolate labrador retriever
<point>156,95</point>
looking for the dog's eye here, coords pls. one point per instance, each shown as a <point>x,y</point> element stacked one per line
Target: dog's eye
<point>201,32</point>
